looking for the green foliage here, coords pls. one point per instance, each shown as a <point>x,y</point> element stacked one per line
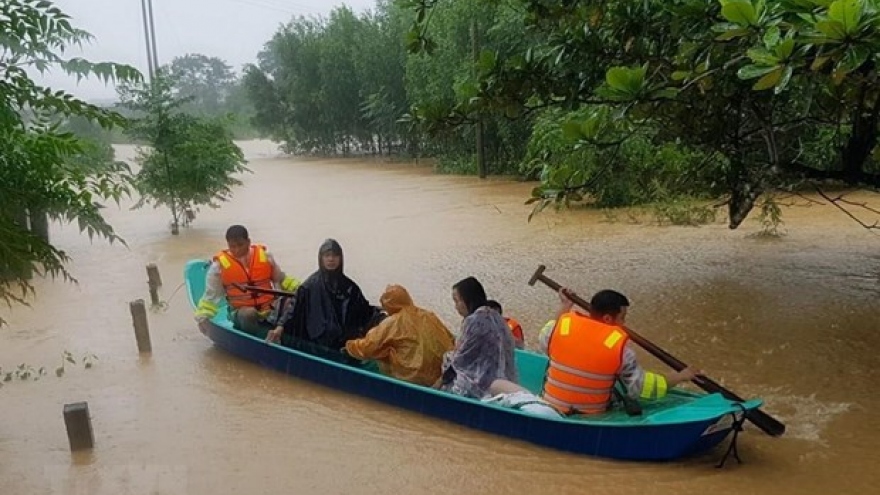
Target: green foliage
<point>27,372</point>
<point>41,170</point>
<point>770,218</point>
<point>191,161</point>
<point>96,154</point>
<point>759,86</point>
<point>203,83</point>
<point>208,87</point>
<point>345,84</point>
<point>333,85</point>
<point>607,163</point>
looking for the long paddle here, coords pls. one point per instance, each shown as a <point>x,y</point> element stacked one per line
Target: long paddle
<point>762,420</point>
<point>260,290</point>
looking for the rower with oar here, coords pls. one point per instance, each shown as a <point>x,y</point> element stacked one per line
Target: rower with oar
<point>232,273</point>
<point>759,418</point>
<point>590,352</point>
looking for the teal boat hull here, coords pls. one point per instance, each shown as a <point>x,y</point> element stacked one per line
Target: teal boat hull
<point>683,424</point>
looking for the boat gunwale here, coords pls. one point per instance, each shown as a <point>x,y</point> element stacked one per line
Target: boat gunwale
<point>580,420</point>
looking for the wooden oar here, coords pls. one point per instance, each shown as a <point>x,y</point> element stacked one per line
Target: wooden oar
<point>260,290</point>
<point>762,420</point>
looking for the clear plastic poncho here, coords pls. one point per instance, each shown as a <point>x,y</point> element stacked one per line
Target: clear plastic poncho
<point>483,353</point>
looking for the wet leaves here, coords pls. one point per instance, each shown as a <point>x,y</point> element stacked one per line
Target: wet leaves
<point>27,372</point>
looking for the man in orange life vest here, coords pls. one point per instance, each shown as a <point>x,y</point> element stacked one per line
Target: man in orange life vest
<point>515,327</point>
<point>247,264</point>
<point>588,354</point>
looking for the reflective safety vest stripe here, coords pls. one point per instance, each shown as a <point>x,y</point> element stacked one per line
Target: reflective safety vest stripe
<point>258,274</point>
<point>654,387</point>
<point>206,309</point>
<point>585,358</point>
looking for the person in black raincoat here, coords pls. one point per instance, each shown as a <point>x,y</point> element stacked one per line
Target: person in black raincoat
<point>330,308</point>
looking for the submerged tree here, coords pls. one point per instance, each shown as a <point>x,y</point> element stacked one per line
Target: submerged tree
<point>40,170</point>
<point>191,160</point>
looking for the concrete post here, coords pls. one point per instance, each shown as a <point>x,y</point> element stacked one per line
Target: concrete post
<point>141,327</point>
<point>154,281</point>
<point>79,426</point>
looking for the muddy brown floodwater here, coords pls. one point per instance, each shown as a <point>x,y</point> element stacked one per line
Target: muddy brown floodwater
<point>793,320</point>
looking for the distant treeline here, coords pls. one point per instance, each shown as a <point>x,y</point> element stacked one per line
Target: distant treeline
<point>345,84</point>
<point>208,87</point>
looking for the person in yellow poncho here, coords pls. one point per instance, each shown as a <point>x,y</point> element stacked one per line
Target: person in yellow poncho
<point>409,344</point>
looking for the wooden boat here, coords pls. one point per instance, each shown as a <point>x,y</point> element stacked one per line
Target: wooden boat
<point>682,424</point>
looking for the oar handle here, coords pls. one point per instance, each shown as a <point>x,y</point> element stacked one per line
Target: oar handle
<point>638,339</point>
<point>769,424</point>
<point>260,290</point>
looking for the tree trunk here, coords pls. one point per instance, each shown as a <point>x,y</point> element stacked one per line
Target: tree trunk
<point>21,218</point>
<point>40,224</point>
<point>744,191</point>
<point>861,142</point>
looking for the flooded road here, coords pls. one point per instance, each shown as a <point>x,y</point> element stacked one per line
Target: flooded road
<point>793,320</point>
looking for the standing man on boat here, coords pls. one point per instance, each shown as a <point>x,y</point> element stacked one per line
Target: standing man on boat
<point>589,353</point>
<point>247,264</point>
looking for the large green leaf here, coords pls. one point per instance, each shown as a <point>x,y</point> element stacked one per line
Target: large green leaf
<point>752,71</point>
<point>783,81</point>
<point>771,36</point>
<point>624,83</point>
<point>591,126</point>
<point>784,49</point>
<point>833,29</point>
<point>734,33</point>
<point>739,12</point>
<point>762,56</point>
<point>769,80</point>
<point>847,13</point>
<point>853,58</point>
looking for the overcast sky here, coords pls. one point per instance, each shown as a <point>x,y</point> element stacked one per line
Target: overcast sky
<point>234,30</point>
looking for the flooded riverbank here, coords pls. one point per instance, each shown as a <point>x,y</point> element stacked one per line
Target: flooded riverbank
<point>792,320</point>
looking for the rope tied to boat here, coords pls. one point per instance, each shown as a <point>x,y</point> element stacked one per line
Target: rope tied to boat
<point>737,428</point>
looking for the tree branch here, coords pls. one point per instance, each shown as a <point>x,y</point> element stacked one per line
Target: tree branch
<point>836,202</point>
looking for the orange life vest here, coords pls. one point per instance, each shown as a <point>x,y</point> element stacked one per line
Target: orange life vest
<point>585,358</point>
<point>516,330</point>
<point>259,274</point>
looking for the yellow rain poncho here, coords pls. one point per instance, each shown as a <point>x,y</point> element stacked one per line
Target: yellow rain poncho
<point>409,344</point>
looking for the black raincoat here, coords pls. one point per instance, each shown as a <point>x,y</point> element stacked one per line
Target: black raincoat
<point>330,308</point>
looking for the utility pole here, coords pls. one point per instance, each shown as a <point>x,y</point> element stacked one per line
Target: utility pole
<point>153,36</point>
<point>148,36</point>
<point>475,48</point>
<point>153,68</point>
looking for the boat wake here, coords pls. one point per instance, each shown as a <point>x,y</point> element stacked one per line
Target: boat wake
<point>806,417</point>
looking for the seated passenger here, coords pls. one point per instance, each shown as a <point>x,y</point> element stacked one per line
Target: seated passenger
<point>515,328</point>
<point>589,352</point>
<point>483,352</point>
<point>409,344</point>
<point>246,264</point>
<point>329,308</point>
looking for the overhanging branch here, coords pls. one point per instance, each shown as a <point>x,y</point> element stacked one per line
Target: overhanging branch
<point>839,199</point>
